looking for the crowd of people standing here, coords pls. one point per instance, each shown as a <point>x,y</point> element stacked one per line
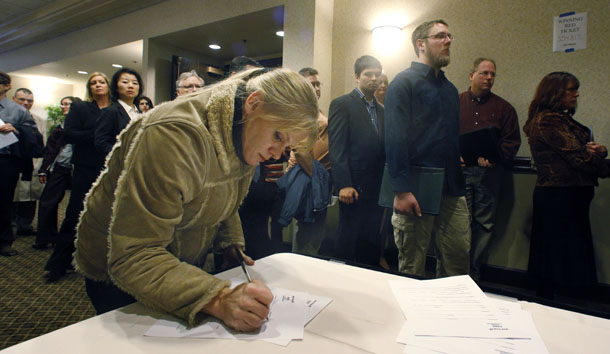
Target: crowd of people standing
<point>227,166</point>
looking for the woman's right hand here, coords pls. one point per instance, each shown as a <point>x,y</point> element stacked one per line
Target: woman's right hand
<point>599,150</point>
<point>243,308</point>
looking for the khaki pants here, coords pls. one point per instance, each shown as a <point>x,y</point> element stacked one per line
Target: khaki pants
<point>451,232</point>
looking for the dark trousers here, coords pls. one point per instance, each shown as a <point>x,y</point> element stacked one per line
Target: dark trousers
<point>358,235</point>
<point>61,258</point>
<point>23,216</point>
<point>106,297</point>
<point>561,247</point>
<point>264,201</point>
<point>9,174</point>
<point>52,194</point>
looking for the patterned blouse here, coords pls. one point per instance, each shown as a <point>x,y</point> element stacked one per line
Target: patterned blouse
<point>558,145</point>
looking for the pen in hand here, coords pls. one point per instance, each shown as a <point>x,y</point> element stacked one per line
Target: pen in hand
<point>240,258</point>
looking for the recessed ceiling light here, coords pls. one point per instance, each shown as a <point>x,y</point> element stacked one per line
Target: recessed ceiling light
<point>82,72</point>
<point>214,46</point>
<point>117,65</point>
<point>279,33</point>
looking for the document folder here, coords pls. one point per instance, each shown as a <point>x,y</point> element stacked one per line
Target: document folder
<point>426,184</point>
<point>481,143</point>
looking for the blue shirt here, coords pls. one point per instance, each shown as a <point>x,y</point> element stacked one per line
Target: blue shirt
<point>422,127</point>
<point>371,108</point>
<point>16,115</point>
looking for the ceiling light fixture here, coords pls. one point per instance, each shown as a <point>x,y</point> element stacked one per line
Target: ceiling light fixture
<point>117,65</point>
<point>279,33</point>
<point>214,46</point>
<point>82,72</point>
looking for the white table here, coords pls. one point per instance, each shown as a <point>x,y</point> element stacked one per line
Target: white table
<point>364,317</point>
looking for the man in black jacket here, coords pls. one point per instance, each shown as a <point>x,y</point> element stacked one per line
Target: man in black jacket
<point>357,156</point>
<point>15,120</point>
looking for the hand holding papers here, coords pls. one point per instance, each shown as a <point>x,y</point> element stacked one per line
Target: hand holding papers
<point>7,139</point>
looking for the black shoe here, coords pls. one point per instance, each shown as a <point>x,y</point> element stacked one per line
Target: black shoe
<point>8,250</point>
<point>42,246</point>
<point>53,276</point>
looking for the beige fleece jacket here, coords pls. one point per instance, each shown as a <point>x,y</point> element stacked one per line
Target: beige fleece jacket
<point>170,191</point>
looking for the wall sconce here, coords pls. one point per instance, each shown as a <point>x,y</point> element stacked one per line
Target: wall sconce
<point>387,38</point>
<point>386,31</point>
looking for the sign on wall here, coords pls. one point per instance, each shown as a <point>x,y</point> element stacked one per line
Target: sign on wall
<point>570,32</point>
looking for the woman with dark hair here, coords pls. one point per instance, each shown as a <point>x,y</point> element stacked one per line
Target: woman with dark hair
<point>55,173</point>
<point>79,128</point>
<point>568,163</point>
<point>144,104</point>
<point>126,85</point>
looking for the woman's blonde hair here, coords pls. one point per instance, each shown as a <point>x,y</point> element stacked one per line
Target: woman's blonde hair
<point>89,95</point>
<point>289,101</point>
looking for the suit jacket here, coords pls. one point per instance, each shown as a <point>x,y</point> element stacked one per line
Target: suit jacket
<point>357,154</point>
<point>79,130</point>
<point>112,120</point>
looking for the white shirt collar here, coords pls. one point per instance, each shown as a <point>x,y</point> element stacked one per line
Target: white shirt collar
<point>132,111</point>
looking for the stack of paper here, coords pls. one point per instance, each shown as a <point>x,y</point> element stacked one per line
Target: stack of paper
<point>290,312</point>
<point>452,315</point>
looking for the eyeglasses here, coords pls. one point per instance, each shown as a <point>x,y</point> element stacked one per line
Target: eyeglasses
<point>196,87</point>
<point>487,73</point>
<point>441,36</point>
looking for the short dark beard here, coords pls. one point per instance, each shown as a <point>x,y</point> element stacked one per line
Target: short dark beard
<point>440,61</point>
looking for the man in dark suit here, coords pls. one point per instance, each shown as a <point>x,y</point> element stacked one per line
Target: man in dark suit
<point>357,155</point>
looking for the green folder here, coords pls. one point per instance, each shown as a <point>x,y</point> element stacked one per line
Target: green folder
<point>426,185</point>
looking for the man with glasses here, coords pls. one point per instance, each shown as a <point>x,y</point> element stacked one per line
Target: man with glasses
<point>480,108</point>
<point>355,132</point>
<point>188,82</point>
<point>422,129</point>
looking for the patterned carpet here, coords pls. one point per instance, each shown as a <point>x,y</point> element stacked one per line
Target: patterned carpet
<point>29,307</point>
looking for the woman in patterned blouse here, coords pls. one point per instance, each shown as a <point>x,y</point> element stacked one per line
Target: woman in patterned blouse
<point>568,163</point>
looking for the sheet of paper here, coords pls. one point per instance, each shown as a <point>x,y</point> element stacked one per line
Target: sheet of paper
<point>444,298</point>
<point>315,304</point>
<point>511,311</point>
<point>8,138</point>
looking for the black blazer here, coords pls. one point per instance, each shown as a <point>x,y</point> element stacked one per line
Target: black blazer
<point>112,120</point>
<point>79,130</point>
<point>357,153</point>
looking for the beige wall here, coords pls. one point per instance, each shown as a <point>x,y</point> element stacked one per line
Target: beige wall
<point>46,92</point>
<point>517,33</point>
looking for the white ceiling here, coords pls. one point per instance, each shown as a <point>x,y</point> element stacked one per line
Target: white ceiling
<point>251,34</point>
<point>24,22</point>
<point>65,70</point>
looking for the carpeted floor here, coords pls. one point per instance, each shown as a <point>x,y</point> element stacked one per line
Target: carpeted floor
<point>29,307</point>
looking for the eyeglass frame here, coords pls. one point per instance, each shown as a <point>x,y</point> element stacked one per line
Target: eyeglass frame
<point>191,86</point>
<point>441,36</point>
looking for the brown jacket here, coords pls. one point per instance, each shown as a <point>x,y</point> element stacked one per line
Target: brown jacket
<point>170,192</point>
<point>558,145</point>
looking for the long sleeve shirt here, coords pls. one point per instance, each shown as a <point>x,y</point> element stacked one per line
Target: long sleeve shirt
<point>16,115</point>
<point>491,110</point>
<point>422,127</point>
<point>558,145</point>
